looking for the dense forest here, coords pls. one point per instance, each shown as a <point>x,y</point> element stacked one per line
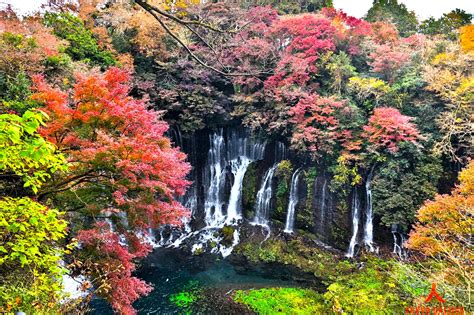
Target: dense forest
<point>235,157</point>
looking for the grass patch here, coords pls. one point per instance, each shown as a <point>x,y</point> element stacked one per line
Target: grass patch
<point>281,300</point>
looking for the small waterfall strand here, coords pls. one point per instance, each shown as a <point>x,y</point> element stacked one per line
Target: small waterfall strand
<point>292,202</point>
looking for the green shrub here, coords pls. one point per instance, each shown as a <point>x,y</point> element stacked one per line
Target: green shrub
<point>82,44</point>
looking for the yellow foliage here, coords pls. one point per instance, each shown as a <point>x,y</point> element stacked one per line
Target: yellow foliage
<point>443,58</point>
<point>466,179</point>
<point>449,75</point>
<point>366,87</point>
<point>466,38</point>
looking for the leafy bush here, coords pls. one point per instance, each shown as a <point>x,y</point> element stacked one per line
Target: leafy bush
<point>82,44</point>
<point>30,247</point>
<point>24,152</point>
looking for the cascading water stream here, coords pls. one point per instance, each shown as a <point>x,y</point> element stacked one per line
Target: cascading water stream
<point>234,154</point>
<point>398,242</point>
<point>238,168</point>
<point>280,151</point>
<point>264,196</point>
<point>216,166</point>
<point>293,200</point>
<point>369,226</point>
<point>323,204</point>
<point>355,225</point>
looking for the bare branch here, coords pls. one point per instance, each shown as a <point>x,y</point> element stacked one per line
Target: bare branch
<point>156,13</point>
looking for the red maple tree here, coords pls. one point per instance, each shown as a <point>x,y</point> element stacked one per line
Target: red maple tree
<point>316,124</point>
<point>387,127</point>
<point>122,163</point>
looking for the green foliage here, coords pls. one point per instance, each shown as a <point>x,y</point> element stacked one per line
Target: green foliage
<point>82,44</point>
<point>371,291</point>
<point>402,184</point>
<point>448,24</point>
<point>339,69</point>
<point>310,176</point>
<point>295,7</point>
<point>410,279</point>
<point>281,300</point>
<point>284,169</point>
<point>396,13</point>
<point>24,153</point>
<point>368,92</point>
<point>57,63</point>
<point>345,176</point>
<point>31,238</point>
<point>227,235</point>
<point>16,88</point>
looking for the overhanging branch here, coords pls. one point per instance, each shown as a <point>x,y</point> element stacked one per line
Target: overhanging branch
<point>159,15</point>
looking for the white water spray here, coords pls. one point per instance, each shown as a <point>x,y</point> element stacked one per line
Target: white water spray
<point>355,225</point>
<point>293,200</point>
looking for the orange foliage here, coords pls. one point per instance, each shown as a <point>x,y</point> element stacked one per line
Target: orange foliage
<point>384,32</point>
<point>467,38</point>
<point>30,27</point>
<point>445,224</point>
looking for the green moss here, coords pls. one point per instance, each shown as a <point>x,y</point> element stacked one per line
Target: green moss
<point>321,263</point>
<point>198,251</point>
<point>372,290</point>
<point>281,301</point>
<point>227,235</point>
<point>283,173</point>
<point>374,287</point>
<point>185,299</point>
<point>310,176</point>
<point>304,215</point>
<point>249,190</point>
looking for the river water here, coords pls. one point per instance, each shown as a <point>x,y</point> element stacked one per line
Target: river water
<point>170,270</point>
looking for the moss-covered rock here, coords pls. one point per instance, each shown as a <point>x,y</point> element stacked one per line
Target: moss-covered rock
<point>227,235</point>
<point>366,287</point>
<point>249,190</point>
<point>302,254</point>
<point>283,182</point>
<point>304,210</point>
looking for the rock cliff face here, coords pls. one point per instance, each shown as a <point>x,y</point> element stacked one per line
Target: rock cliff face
<point>238,177</point>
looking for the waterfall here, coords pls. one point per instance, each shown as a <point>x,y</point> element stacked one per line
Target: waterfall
<point>323,205</point>
<point>398,243</point>
<point>290,214</point>
<point>369,227</point>
<point>396,248</point>
<point>216,167</point>
<point>240,153</point>
<point>280,151</point>
<point>355,225</point>
<point>264,197</point>
<point>238,168</point>
<point>234,154</point>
